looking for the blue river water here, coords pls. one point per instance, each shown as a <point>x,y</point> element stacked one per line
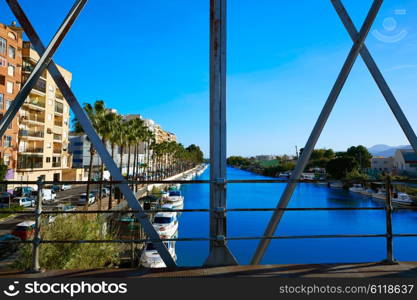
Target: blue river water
<point>263,195</point>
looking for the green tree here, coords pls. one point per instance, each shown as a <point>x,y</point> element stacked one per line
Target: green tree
<point>361,154</point>
<point>95,113</point>
<point>339,167</point>
<point>238,161</point>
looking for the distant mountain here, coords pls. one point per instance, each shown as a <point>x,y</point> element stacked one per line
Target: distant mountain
<point>385,150</point>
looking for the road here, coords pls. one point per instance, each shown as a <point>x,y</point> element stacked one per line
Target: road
<point>68,197</point>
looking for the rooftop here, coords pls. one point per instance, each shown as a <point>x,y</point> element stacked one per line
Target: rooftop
<point>409,155</point>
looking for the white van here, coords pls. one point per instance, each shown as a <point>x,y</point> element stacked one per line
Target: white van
<point>48,196</point>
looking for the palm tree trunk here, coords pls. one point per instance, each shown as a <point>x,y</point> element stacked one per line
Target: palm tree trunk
<point>121,168</point>
<point>109,206</point>
<point>90,169</point>
<point>135,162</point>
<point>128,161</point>
<point>101,178</point>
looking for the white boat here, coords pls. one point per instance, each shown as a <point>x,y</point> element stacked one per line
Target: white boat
<point>367,192</point>
<point>336,185</point>
<point>380,194</point>
<point>403,199</point>
<point>150,257</point>
<point>175,198</point>
<point>166,224</point>
<point>356,188</point>
<point>308,176</point>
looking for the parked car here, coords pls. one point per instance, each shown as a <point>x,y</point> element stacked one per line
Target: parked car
<point>61,187</point>
<point>65,187</point>
<point>24,230</point>
<point>23,191</point>
<point>83,197</point>
<point>5,199</point>
<point>24,201</point>
<point>7,249</point>
<point>55,188</point>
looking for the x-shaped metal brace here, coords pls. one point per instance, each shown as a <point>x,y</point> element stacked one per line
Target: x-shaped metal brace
<point>357,48</point>
<point>44,62</point>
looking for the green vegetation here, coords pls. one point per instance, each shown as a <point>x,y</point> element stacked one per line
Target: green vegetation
<point>3,171</point>
<point>238,161</point>
<point>267,167</point>
<point>68,255</point>
<point>340,165</point>
<point>6,209</point>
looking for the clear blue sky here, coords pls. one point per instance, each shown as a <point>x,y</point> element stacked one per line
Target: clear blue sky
<point>151,57</point>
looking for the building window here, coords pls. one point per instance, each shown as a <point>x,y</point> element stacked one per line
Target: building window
<point>12,52</point>
<point>7,141</point>
<point>11,35</point>
<point>1,101</point>
<point>10,70</point>
<point>3,46</point>
<point>9,87</point>
<point>6,159</point>
<point>8,103</point>
<point>2,79</point>
<point>48,159</point>
<point>3,62</point>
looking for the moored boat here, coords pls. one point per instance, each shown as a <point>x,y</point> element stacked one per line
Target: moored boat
<point>402,199</point>
<point>356,188</point>
<point>165,224</point>
<point>150,257</point>
<point>175,198</point>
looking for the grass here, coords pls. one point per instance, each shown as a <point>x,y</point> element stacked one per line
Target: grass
<point>70,255</point>
<point>6,212</point>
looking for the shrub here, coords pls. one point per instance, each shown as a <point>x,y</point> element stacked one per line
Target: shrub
<point>71,255</point>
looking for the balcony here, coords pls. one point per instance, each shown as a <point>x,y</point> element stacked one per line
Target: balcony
<point>59,108</point>
<point>58,123</point>
<point>57,137</point>
<point>32,118</point>
<point>28,67</point>
<point>40,85</point>
<point>29,161</point>
<point>31,150</point>
<point>58,94</point>
<point>56,164</point>
<point>30,165</point>
<point>31,133</point>
<point>36,101</point>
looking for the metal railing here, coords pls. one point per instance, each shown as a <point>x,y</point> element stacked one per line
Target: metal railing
<point>36,241</point>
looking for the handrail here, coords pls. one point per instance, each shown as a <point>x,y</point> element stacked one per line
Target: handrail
<point>38,212</point>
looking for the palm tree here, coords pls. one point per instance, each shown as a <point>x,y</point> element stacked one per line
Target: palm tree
<point>94,113</point>
<point>114,137</point>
